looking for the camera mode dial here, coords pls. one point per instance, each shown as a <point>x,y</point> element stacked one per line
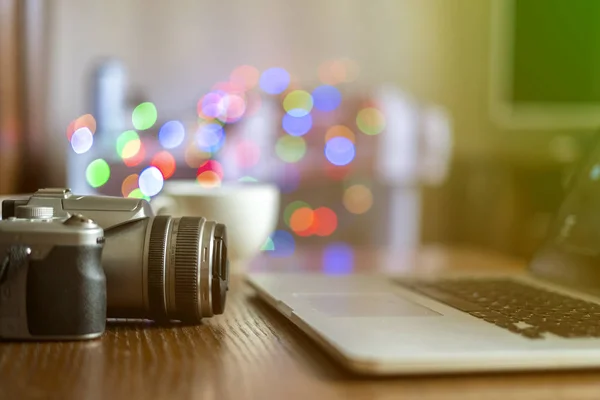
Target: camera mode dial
<point>34,212</point>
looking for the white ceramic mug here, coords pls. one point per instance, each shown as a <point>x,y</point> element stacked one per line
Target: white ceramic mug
<point>249,210</point>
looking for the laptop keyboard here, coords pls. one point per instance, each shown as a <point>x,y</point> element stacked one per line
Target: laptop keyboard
<point>522,309</point>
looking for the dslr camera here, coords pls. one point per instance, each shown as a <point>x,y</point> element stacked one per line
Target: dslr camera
<point>155,267</point>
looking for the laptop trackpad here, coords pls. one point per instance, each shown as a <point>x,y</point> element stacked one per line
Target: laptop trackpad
<point>364,305</point>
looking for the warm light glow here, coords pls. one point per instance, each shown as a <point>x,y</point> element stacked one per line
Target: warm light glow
<point>325,221</point>
<point>340,131</point>
<point>298,103</point>
<point>85,121</point>
<point>165,163</point>
<point>370,121</point>
<point>212,166</point>
<point>358,199</point>
<point>209,179</point>
<point>137,158</point>
<point>129,184</point>
<point>302,219</point>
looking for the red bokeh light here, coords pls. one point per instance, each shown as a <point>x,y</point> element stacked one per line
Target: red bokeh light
<point>337,172</point>
<point>246,76</point>
<point>213,166</point>
<point>302,220</point>
<point>85,121</point>
<point>137,158</point>
<point>165,163</point>
<point>325,221</point>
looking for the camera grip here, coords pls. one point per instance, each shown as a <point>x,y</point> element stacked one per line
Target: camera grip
<point>66,292</point>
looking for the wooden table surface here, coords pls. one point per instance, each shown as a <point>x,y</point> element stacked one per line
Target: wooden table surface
<point>251,352</point>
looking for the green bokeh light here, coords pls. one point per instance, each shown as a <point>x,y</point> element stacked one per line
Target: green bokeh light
<point>247,179</point>
<point>144,116</point>
<point>370,121</point>
<point>125,138</point>
<point>137,194</point>
<point>268,246</point>
<point>97,173</point>
<point>298,103</point>
<point>290,149</point>
<point>290,208</point>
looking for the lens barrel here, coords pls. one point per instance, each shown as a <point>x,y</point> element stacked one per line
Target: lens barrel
<point>187,270</point>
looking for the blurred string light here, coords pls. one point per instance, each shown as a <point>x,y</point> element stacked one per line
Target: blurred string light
<point>283,244</point>
<point>165,162</point>
<point>268,245</point>
<point>247,154</point>
<point>333,72</point>
<point>247,179</point>
<point>171,134</point>
<point>97,173</point>
<point>210,174</point>
<point>82,140</point>
<point>151,181</point>
<point>209,106</point>
<point>340,131</point>
<point>291,208</point>
<point>290,149</point>
<point>305,221</point>
<point>210,137</point>
<point>338,259</point>
<point>358,199</point>
<point>246,76</point>
<point>144,116</point>
<point>233,108</point>
<point>370,121</point>
<point>85,121</point>
<point>128,144</point>
<point>130,183</point>
<point>298,103</point>
<point>138,194</point>
<point>339,151</point>
<point>137,158</point>
<point>296,126</point>
<point>326,98</point>
<point>274,80</point>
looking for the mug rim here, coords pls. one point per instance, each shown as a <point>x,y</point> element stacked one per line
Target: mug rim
<point>183,187</point>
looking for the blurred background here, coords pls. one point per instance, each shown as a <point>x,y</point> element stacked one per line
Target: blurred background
<point>386,123</point>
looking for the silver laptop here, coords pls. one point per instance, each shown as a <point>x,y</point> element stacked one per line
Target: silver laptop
<point>546,318</point>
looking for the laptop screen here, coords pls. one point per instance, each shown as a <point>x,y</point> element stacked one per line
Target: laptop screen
<point>571,252</point>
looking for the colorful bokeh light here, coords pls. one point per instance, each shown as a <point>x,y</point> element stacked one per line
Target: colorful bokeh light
<point>171,134</point>
<point>144,116</point>
<point>370,121</point>
<point>210,137</point>
<point>247,179</point>
<point>209,179</point>
<point>128,144</point>
<point>298,103</point>
<point>340,131</point>
<point>151,181</point>
<point>290,149</point>
<point>296,126</point>
<point>232,107</point>
<point>85,121</point>
<point>137,194</point>
<point>82,140</point>
<point>339,151</point>
<point>209,106</point>
<point>284,244</point>
<point>338,259</point>
<point>291,208</point>
<point>337,172</point>
<point>246,76</point>
<point>97,173</point>
<point>268,245</point>
<point>274,80</point>
<point>247,153</point>
<point>212,166</point>
<point>165,162</point>
<point>358,199</point>
<point>325,221</point>
<point>129,184</point>
<point>136,159</point>
<point>326,98</point>
<point>332,72</point>
<point>302,220</point>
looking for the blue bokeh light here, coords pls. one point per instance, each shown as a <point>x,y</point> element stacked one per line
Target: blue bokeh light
<point>274,80</point>
<point>338,259</point>
<point>82,140</point>
<point>171,134</point>
<point>297,126</point>
<point>151,181</point>
<point>284,244</point>
<point>340,150</point>
<point>210,137</point>
<point>326,98</point>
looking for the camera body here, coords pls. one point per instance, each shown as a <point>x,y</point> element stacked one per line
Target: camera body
<point>52,284</point>
<point>157,267</point>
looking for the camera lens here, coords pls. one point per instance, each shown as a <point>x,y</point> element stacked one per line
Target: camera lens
<point>187,271</point>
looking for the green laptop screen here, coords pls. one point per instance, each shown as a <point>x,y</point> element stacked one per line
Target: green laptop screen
<point>556,51</point>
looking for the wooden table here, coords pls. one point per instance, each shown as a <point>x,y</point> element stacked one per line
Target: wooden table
<point>253,353</point>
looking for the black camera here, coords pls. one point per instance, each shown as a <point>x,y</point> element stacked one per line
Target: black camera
<point>52,285</point>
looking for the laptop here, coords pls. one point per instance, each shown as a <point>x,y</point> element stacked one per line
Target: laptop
<point>545,318</point>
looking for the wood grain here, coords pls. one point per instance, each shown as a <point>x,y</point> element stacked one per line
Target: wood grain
<point>250,352</point>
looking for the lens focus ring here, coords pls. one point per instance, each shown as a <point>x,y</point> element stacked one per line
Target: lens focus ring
<point>157,267</point>
<point>187,254</point>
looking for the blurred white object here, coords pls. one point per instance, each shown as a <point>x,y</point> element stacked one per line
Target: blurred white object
<point>250,211</point>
